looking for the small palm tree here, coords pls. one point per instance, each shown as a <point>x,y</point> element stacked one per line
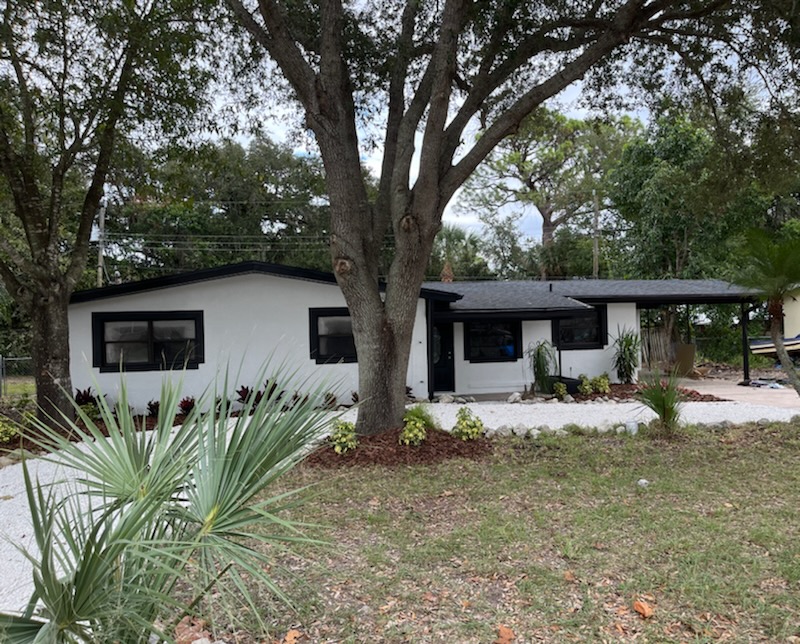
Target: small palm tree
<point>772,266</point>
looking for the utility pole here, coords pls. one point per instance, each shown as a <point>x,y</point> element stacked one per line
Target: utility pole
<point>101,238</point>
<point>596,237</point>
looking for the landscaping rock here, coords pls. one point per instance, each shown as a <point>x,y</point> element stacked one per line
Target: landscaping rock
<point>551,400</point>
<point>545,429</point>
<point>5,461</point>
<point>620,429</point>
<point>568,398</point>
<point>520,430</point>
<point>642,482</point>
<point>460,400</point>
<point>560,433</point>
<point>534,433</point>
<point>446,399</point>
<point>514,398</point>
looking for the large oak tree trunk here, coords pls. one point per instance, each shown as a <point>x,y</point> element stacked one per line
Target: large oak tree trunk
<point>50,353</point>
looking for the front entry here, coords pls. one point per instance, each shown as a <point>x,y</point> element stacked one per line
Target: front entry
<point>444,377</point>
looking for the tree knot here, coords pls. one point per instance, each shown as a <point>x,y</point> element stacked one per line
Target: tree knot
<point>342,266</point>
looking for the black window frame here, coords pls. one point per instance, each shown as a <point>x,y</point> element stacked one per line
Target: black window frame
<point>313,326</point>
<point>601,317</point>
<point>515,329</point>
<point>99,343</point>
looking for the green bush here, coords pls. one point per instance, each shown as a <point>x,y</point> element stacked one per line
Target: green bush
<point>560,390</point>
<point>585,386</point>
<point>8,430</point>
<point>91,410</point>
<point>468,426</point>
<point>542,362</point>
<point>601,384</point>
<point>627,346</point>
<point>416,423</point>
<point>663,396</point>
<point>178,516</point>
<point>343,437</point>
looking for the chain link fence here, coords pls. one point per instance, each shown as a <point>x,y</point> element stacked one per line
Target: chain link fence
<point>15,371</point>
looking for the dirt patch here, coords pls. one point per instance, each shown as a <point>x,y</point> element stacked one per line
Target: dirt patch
<point>628,392</point>
<point>385,450</point>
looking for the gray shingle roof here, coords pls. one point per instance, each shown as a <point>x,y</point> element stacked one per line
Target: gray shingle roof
<point>535,295</point>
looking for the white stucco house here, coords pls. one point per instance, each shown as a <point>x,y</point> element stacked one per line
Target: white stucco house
<point>469,337</point>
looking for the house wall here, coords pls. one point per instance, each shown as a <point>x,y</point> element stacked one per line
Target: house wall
<point>791,317</point>
<point>500,377</point>
<point>594,362</point>
<point>248,319</point>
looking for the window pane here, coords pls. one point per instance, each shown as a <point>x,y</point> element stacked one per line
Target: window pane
<point>579,331</point>
<point>340,325</point>
<point>172,355</point>
<point>173,329</point>
<point>492,341</point>
<point>130,352</point>
<point>337,346</point>
<point>126,331</point>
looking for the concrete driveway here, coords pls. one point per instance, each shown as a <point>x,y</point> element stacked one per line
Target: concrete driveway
<point>786,398</point>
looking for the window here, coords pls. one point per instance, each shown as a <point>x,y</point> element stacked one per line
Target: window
<point>331,336</point>
<point>147,341</point>
<point>585,332</point>
<point>499,341</point>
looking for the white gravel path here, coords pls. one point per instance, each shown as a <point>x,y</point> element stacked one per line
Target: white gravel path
<point>15,526</point>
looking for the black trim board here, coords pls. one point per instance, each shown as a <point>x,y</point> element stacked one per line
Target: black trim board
<point>314,314</point>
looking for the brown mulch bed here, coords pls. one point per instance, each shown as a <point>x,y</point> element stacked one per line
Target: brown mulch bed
<point>626,392</point>
<point>385,450</point>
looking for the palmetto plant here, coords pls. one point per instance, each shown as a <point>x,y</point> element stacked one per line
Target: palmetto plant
<point>663,396</point>
<point>159,518</point>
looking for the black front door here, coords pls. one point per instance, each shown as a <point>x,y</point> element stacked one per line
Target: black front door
<point>444,378</point>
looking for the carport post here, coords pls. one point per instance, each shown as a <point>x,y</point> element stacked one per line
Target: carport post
<point>743,318</point>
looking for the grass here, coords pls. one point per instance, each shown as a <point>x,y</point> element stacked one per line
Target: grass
<point>555,540</point>
<point>18,386</point>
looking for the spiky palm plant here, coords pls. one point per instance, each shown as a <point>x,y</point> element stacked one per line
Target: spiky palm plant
<point>772,266</point>
<point>663,396</point>
<point>159,518</point>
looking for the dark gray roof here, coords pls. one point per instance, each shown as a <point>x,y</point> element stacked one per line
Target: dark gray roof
<point>559,295</point>
<point>506,296</point>
<point>229,270</point>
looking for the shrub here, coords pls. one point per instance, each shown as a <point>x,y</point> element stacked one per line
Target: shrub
<point>8,430</point>
<point>601,384</point>
<point>152,408</point>
<point>85,397</point>
<point>177,514</point>
<point>627,346</point>
<point>91,410</point>
<point>542,361</point>
<point>416,423</point>
<point>468,427</point>
<point>354,397</point>
<point>585,386</point>
<point>560,390</point>
<point>663,396</point>
<point>243,393</point>
<point>330,401</point>
<point>186,405</point>
<point>343,437</point>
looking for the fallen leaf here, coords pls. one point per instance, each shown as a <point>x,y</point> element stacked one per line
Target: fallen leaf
<point>643,608</point>
<point>570,577</point>
<point>619,628</point>
<point>292,637</point>
<point>504,635</point>
<point>466,603</point>
<point>429,597</point>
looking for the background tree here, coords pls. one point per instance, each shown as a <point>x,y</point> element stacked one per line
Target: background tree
<point>414,77</point>
<point>462,251</point>
<point>217,204</point>
<point>74,77</point>
<point>554,165</point>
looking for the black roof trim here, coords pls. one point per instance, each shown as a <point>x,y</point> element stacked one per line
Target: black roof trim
<point>229,270</point>
<point>474,315</point>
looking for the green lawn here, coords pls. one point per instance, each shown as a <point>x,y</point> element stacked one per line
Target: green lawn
<point>19,386</point>
<point>555,540</point>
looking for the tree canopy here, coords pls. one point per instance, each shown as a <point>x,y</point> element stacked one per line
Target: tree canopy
<point>415,78</point>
